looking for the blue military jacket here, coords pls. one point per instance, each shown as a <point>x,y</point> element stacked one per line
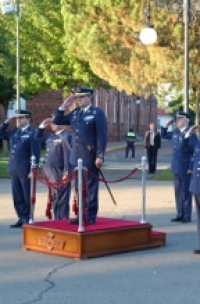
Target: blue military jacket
<point>22,147</point>
<point>56,160</point>
<point>89,133</point>
<point>195,179</point>
<point>182,150</point>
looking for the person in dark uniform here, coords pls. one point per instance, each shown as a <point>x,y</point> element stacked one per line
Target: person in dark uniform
<point>23,145</point>
<point>130,142</point>
<point>195,183</point>
<point>56,164</point>
<point>89,139</point>
<point>182,152</point>
<point>152,142</point>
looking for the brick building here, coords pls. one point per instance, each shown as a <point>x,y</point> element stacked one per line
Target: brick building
<point>122,111</point>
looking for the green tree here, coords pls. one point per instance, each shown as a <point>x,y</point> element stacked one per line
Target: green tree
<point>44,62</point>
<point>7,63</point>
<point>69,42</point>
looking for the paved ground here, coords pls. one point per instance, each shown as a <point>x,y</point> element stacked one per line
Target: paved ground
<point>164,275</point>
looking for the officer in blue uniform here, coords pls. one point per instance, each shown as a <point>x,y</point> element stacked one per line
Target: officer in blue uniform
<point>22,147</point>
<point>89,139</point>
<point>182,152</point>
<point>56,164</point>
<point>195,183</point>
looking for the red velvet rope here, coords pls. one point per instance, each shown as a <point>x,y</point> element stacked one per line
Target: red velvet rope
<point>116,180</point>
<point>43,179</point>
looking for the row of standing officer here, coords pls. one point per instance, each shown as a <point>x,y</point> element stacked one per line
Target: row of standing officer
<point>88,141</point>
<point>89,137</point>
<point>185,166</point>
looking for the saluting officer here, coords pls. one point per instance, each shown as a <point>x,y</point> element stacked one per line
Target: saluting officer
<point>89,139</point>
<point>181,162</point>
<point>56,164</point>
<point>23,145</point>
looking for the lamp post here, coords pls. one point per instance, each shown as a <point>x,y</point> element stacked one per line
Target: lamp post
<point>137,102</point>
<point>9,6</point>
<point>189,8</point>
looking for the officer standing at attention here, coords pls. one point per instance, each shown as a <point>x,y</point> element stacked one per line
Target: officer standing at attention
<point>23,145</point>
<point>89,139</point>
<point>130,143</point>
<point>56,164</point>
<point>181,162</point>
<point>152,142</point>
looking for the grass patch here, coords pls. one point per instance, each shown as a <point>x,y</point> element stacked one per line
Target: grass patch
<point>164,174</point>
<point>3,169</point>
<point>4,163</point>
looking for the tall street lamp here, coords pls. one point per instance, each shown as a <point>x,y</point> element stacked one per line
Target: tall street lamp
<point>189,9</point>
<point>9,6</point>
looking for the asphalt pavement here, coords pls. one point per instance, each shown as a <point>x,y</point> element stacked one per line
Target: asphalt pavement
<point>167,275</point>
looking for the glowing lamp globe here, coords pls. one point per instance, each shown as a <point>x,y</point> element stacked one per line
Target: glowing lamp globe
<point>148,35</point>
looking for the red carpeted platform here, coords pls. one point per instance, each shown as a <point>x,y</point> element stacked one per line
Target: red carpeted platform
<point>106,236</point>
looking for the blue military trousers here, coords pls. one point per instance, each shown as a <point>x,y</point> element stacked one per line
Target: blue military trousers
<point>197,202</point>
<point>183,196</point>
<point>20,186</point>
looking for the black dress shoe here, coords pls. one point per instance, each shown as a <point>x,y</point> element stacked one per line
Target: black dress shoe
<point>74,221</point>
<point>186,220</point>
<point>16,225</point>
<point>197,251</point>
<point>176,219</point>
<point>90,221</point>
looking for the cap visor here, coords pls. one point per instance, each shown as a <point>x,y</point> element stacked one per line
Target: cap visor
<point>82,94</point>
<point>21,115</point>
<point>180,116</point>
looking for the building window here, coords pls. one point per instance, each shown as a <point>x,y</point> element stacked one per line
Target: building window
<point>96,99</point>
<point>115,110</point>
<point>122,110</point>
<point>158,124</point>
<point>106,108</point>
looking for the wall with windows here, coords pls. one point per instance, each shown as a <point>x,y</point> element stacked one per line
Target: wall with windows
<point>122,111</point>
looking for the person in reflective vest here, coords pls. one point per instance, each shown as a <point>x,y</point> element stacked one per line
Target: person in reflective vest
<point>130,143</point>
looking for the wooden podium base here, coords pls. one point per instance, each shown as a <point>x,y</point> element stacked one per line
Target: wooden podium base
<point>105,237</point>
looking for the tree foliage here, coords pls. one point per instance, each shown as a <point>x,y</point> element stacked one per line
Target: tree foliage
<point>44,62</point>
<point>105,34</point>
<point>7,62</point>
<point>71,42</point>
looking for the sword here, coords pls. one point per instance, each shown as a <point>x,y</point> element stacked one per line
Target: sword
<point>104,180</point>
<point>107,186</point>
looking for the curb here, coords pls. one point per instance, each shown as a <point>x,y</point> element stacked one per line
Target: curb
<point>110,149</point>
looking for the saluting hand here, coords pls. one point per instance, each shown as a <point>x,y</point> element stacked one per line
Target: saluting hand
<point>68,101</point>
<point>8,120</point>
<point>170,122</point>
<point>46,122</point>
<point>193,129</point>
